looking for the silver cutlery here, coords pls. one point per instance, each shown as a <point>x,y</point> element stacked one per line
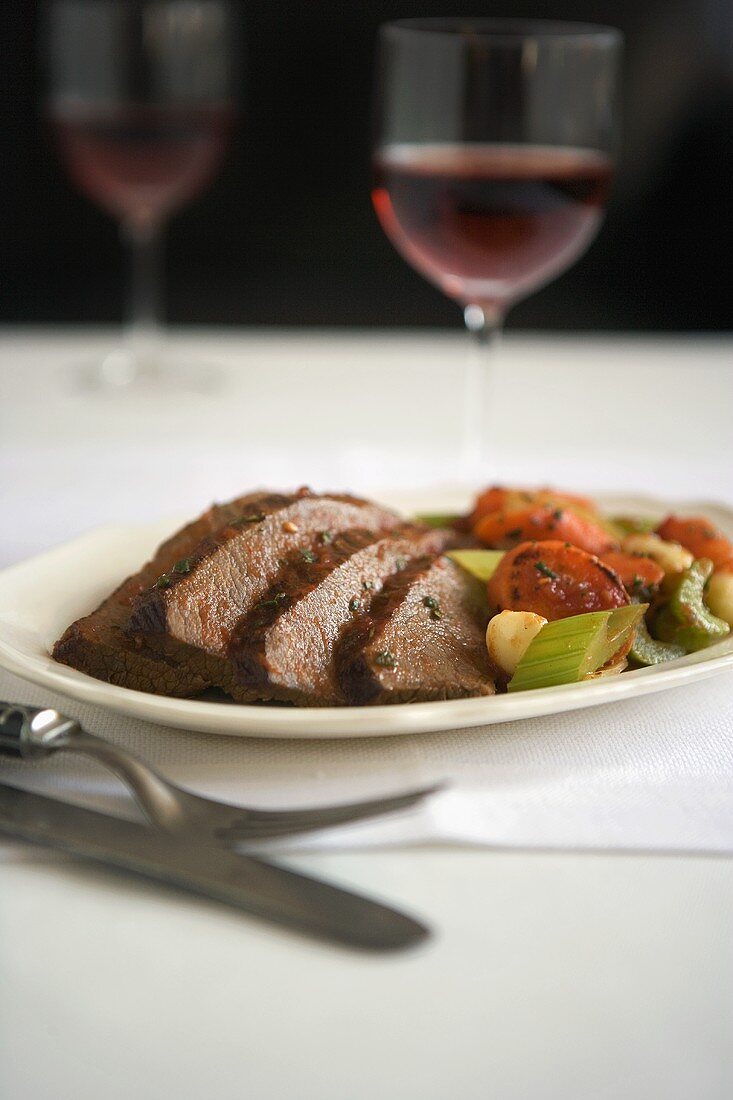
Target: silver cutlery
<point>33,733</point>
<point>254,885</point>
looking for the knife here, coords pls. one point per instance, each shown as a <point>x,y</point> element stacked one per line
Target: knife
<point>255,885</point>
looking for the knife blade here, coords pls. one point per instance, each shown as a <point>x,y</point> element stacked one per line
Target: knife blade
<point>254,885</point>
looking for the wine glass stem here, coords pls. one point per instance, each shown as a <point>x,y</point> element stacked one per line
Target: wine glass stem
<point>144,243</point>
<point>485,326</point>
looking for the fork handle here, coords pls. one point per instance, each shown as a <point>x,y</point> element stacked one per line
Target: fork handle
<point>23,734</point>
<point>34,732</point>
<point>15,724</point>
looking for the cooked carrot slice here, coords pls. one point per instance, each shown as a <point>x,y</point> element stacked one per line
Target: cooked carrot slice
<point>502,530</point>
<point>497,498</point>
<point>554,580</point>
<point>639,574</point>
<point>699,536</point>
<point>549,496</point>
<point>491,500</point>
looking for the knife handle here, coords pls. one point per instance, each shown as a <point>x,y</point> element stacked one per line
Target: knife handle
<point>23,735</point>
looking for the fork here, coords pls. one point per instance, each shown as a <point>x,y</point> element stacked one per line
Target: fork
<point>33,733</point>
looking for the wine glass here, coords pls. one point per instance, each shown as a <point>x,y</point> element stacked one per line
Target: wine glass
<point>492,162</point>
<point>141,104</point>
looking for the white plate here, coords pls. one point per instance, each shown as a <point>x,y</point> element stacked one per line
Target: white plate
<point>40,597</point>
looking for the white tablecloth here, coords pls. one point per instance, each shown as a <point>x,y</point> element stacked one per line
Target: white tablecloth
<point>357,412</point>
<point>551,976</point>
<point>360,410</point>
<point>646,774</point>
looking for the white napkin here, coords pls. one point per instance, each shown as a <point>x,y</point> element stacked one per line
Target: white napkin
<point>652,773</point>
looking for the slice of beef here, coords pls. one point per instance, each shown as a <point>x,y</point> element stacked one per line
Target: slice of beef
<point>203,599</point>
<point>423,637</point>
<point>98,644</point>
<point>311,599</point>
<point>285,647</point>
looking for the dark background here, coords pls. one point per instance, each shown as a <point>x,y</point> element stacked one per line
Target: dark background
<point>287,236</point>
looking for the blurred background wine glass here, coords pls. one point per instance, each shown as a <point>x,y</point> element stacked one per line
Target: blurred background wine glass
<point>287,235</point>
<point>141,100</point>
<point>493,156</point>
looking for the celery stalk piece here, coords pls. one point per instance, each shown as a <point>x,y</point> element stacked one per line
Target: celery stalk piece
<point>684,619</point>
<point>622,624</point>
<point>634,525</point>
<point>646,650</point>
<point>611,528</point>
<point>479,563</point>
<point>567,650</point>
<point>438,519</point>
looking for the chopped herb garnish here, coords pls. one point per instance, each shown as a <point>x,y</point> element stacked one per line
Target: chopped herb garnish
<point>185,565</point>
<point>275,600</point>
<point>385,659</point>
<point>400,564</point>
<point>431,602</point>
<point>436,613</point>
<point>514,533</point>
<point>545,570</point>
<point>326,537</point>
<point>251,517</point>
<point>640,588</point>
<point>308,555</point>
<point>557,514</point>
<point>163,582</point>
<point>354,604</point>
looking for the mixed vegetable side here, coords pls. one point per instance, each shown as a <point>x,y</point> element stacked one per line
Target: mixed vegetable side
<point>574,594</point>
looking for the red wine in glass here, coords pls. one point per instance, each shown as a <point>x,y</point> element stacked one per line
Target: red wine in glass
<point>488,222</point>
<point>141,100</point>
<point>143,162</point>
<point>493,146</point>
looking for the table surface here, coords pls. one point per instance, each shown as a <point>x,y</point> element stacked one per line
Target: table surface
<point>550,975</point>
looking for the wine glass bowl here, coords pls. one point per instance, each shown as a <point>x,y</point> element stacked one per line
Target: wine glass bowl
<point>490,223</point>
<point>142,164</point>
<point>141,105</point>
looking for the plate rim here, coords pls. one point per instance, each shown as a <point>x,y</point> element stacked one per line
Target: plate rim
<point>265,721</point>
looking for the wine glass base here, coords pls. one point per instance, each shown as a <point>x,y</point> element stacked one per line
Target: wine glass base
<point>123,370</point>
